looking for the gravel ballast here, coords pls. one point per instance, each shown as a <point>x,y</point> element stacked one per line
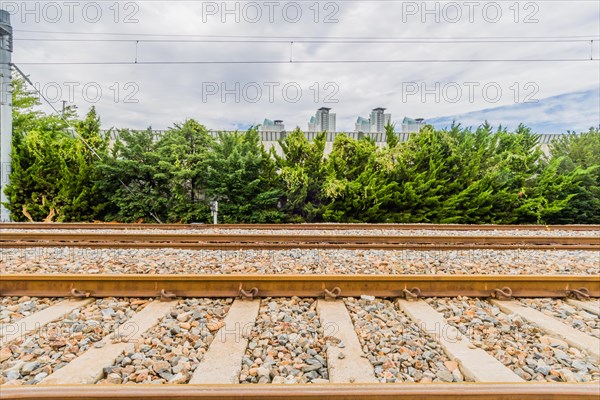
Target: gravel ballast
<point>297,261</point>
<point>396,347</point>
<point>171,351</point>
<point>324,232</point>
<point>13,308</point>
<point>579,319</point>
<point>520,345</point>
<point>287,344</point>
<point>31,358</point>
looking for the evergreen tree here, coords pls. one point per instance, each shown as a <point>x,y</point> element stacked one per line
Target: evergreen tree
<point>302,175</point>
<point>183,162</point>
<point>132,176</point>
<point>52,172</point>
<point>39,169</point>
<point>453,175</point>
<point>391,137</point>
<point>240,175</point>
<point>577,161</point>
<point>84,200</point>
<point>357,184</point>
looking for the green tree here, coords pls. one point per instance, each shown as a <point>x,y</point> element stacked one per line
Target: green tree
<point>575,167</point>
<point>132,176</point>
<point>39,169</point>
<point>391,137</point>
<point>183,162</point>
<point>357,184</point>
<point>425,173</point>
<point>240,175</point>
<point>302,175</point>
<point>83,198</point>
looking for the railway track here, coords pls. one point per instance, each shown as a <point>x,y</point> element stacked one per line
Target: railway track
<point>92,336</point>
<point>323,226</point>
<point>300,285</point>
<point>282,241</point>
<point>355,338</point>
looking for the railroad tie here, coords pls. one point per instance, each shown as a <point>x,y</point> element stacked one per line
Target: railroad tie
<point>222,363</point>
<point>474,363</point>
<point>88,368</point>
<point>347,364</point>
<point>553,327</point>
<point>32,323</point>
<point>591,306</point>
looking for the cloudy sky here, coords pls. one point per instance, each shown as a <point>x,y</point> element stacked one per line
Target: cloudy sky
<point>227,64</point>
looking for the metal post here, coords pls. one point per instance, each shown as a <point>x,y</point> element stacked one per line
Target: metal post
<point>214,210</point>
<point>5,108</point>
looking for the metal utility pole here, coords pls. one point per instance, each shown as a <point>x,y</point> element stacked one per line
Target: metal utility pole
<point>214,211</point>
<point>5,107</point>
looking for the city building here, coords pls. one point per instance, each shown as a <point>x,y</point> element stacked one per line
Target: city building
<point>375,124</point>
<point>322,121</point>
<point>362,125</point>
<point>379,120</point>
<point>272,126</point>
<point>410,125</point>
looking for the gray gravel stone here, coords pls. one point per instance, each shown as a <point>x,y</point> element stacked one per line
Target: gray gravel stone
<point>524,348</point>
<point>171,355</point>
<point>13,308</point>
<point>295,261</point>
<point>286,344</point>
<point>394,345</point>
<point>58,343</point>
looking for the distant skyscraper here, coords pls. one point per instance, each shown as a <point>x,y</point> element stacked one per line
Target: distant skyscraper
<point>362,125</point>
<point>375,124</point>
<point>312,124</point>
<point>322,121</point>
<point>272,126</point>
<point>379,120</point>
<point>410,125</point>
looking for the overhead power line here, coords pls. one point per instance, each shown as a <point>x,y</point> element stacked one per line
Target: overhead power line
<point>332,41</point>
<point>288,38</point>
<point>164,62</point>
<point>133,38</point>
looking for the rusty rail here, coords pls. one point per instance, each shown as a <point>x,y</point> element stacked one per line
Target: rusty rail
<point>291,245</point>
<point>298,285</point>
<point>312,226</point>
<point>402,391</point>
<point>273,241</point>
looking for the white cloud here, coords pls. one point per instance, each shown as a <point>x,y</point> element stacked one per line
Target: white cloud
<point>171,93</point>
<point>575,111</point>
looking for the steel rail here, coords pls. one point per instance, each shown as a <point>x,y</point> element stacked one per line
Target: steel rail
<point>311,226</point>
<point>294,245</point>
<point>174,239</point>
<point>402,391</point>
<point>50,285</point>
